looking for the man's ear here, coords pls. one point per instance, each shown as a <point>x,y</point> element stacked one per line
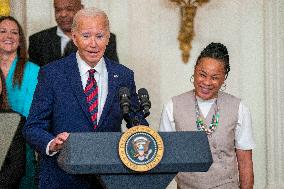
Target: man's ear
<point>108,38</point>
<point>73,36</point>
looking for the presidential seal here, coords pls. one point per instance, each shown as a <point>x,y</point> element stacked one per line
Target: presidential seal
<point>141,148</point>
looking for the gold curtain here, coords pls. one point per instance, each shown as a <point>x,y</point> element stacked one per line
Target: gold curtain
<point>188,10</point>
<point>5,8</point>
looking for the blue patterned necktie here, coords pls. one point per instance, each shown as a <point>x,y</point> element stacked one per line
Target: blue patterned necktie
<point>91,91</point>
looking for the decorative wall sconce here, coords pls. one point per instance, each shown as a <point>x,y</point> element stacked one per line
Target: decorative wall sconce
<point>188,10</point>
<point>5,8</point>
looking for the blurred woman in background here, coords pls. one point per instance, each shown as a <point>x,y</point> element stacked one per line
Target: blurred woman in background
<point>20,78</point>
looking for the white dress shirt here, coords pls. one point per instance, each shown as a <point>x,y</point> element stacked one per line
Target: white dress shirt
<point>101,76</point>
<point>243,135</point>
<point>64,39</point>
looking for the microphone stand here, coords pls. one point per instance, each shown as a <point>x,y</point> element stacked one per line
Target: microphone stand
<point>136,118</point>
<point>133,116</point>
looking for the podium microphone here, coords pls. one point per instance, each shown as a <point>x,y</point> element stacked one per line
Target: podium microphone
<point>124,97</point>
<point>145,103</point>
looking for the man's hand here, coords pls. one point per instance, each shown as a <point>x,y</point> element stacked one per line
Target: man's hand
<point>58,142</point>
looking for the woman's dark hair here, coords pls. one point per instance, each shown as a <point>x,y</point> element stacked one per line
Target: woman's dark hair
<point>21,52</point>
<point>3,93</point>
<point>217,51</point>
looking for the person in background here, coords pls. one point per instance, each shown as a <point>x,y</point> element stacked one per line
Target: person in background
<point>13,167</point>
<point>224,118</point>
<point>20,78</point>
<point>54,43</point>
<point>79,93</point>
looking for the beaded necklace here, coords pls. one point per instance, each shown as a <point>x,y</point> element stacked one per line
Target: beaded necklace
<point>201,126</point>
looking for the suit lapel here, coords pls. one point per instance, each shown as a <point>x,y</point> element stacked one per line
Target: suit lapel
<point>76,83</point>
<point>56,46</point>
<point>113,83</point>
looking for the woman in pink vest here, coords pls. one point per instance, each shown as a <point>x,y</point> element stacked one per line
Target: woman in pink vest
<point>224,118</point>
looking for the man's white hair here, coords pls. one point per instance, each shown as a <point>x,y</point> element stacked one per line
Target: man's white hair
<point>89,12</point>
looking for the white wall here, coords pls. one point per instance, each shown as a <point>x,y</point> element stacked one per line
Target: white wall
<point>147,43</point>
<point>274,48</point>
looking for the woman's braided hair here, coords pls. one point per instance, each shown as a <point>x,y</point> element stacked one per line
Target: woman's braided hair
<point>217,51</point>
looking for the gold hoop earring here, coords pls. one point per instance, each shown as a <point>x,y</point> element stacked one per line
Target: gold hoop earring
<point>191,79</point>
<point>223,87</point>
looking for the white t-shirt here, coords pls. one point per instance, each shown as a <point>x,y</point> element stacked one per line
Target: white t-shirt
<point>64,39</point>
<point>243,135</point>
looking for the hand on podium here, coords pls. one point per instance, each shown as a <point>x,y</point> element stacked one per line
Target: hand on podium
<point>57,143</point>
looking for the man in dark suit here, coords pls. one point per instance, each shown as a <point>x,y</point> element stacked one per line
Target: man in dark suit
<point>54,43</point>
<point>61,101</point>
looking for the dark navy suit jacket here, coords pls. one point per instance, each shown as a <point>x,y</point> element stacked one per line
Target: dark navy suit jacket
<point>59,105</point>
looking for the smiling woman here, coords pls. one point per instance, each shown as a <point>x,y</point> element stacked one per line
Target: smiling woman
<point>19,77</point>
<point>223,117</point>
<point>211,70</point>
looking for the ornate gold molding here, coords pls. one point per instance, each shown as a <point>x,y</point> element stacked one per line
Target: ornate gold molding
<point>5,8</point>
<point>188,10</point>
